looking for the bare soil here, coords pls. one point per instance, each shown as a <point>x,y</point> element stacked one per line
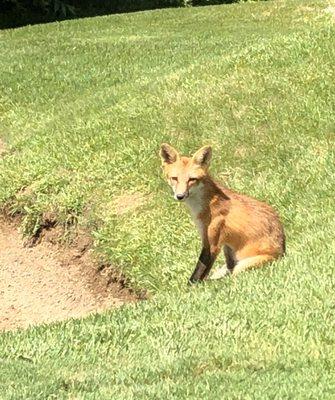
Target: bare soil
<point>2,147</point>
<point>50,282</point>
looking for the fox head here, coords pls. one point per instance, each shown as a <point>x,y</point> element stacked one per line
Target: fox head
<point>184,174</point>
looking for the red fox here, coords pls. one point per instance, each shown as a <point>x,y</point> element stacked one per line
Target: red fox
<point>248,230</point>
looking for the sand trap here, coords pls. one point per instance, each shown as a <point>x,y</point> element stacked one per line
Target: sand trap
<point>47,282</point>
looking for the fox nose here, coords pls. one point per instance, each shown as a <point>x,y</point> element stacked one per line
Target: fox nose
<point>180,196</point>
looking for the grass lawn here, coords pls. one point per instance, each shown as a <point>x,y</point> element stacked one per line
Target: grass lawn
<point>84,106</point>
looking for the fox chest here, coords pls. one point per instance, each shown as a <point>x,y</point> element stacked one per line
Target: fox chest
<point>196,211</point>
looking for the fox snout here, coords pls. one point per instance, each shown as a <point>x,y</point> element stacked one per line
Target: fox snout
<point>180,190</point>
<point>181,196</point>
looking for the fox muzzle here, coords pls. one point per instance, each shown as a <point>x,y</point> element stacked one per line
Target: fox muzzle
<point>181,196</point>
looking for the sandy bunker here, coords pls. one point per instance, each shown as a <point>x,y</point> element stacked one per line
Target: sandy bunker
<point>46,283</point>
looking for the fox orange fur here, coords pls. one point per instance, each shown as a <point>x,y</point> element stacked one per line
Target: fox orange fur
<point>248,230</point>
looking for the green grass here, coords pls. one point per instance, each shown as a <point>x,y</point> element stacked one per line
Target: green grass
<point>84,107</point>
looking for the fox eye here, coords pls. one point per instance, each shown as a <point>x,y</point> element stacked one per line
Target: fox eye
<point>192,179</point>
<point>174,178</point>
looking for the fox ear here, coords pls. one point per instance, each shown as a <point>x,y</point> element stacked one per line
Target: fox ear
<point>168,154</point>
<point>203,156</point>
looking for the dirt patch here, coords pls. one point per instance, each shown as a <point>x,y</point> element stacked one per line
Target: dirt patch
<point>127,202</point>
<point>48,282</point>
<point>331,10</point>
<point>2,147</point>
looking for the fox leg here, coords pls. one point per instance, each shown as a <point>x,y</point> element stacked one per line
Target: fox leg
<point>230,264</point>
<point>230,257</point>
<point>252,262</point>
<point>204,265</point>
